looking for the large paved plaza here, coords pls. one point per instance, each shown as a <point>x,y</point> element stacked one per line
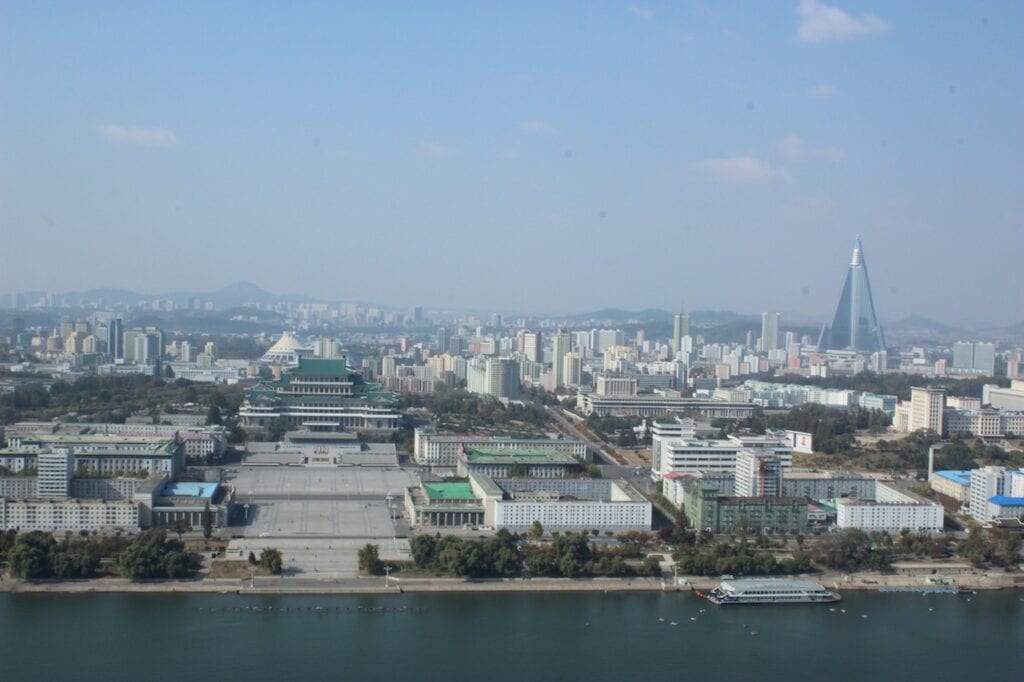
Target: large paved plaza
<point>277,481</point>
<point>319,517</point>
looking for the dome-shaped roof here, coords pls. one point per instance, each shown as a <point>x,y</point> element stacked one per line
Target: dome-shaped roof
<point>286,351</point>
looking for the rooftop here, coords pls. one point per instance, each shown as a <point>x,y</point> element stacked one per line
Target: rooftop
<point>456,490</point>
<point>1007,501</point>
<point>204,491</point>
<point>960,476</point>
<point>483,455</point>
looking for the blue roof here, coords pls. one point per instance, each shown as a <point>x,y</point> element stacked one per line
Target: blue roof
<point>961,476</point>
<point>1006,501</point>
<point>200,490</point>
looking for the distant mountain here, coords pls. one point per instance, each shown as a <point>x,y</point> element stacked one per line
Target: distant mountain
<point>619,316</point>
<point>918,323</point>
<point>231,296</point>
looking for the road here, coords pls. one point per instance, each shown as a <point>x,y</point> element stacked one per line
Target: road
<point>596,447</point>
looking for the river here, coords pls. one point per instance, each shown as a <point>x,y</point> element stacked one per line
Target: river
<point>497,637</point>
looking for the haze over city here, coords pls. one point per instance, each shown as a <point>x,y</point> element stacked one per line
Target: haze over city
<point>529,157</point>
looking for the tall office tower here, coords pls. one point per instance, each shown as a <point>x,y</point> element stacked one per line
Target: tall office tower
<point>963,356</point>
<point>560,345</point>
<point>985,358</point>
<point>854,326</point>
<point>926,405</point>
<point>640,338</point>
<point>532,346</point>
<point>417,314</point>
<point>143,346</point>
<point>769,331</point>
<point>442,339</point>
<point>758,474</point>
<point>977,358</point>
<point>55,471</point>
<point>185,352</point>
<point>115,339</point>
<point>680,328</point>
<point>572,369</point>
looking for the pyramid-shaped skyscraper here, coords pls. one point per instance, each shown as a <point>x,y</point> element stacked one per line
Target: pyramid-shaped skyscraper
<point>854,326</point>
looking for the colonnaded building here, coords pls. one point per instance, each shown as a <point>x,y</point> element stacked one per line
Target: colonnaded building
<point>321,395</point>
<point>559,504</point>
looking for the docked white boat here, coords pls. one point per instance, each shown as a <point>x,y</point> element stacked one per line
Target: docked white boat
<point>771,591</point>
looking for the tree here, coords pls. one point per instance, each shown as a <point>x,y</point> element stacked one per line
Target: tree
<point>252,558</point>
<point>181,526</point>
<point>29,558</point>
<point>272,560</point>
<point>213,417</point>
<point>536,530</point>
<point>424,551</point>
<point>149,555</point>
<point>369,559</point>
<point>207,521</point>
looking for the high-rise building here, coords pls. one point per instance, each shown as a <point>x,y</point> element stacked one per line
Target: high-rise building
<point>976,358</point>
<point>442,339</point>
<point>55,471</point>
<point>680,328</point>
<point>769,331</point>
<point>572,369</point>
<point>758,474</point>
<point>854,326</point>
<point>532,346</point>
<point>143,346</point>
<point>985,358</point>
<point>560,345</point>
<point>115,339</point>
<point>926,406</point>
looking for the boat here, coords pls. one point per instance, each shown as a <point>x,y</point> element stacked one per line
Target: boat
<point>771,591</point>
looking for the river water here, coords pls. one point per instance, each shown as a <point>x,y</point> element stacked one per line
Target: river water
<point>518,636</point>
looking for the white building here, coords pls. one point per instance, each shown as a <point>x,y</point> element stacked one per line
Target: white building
<point>759,473</point>
<point>1011,398</point>
<point>564,505</point>
<point>691,456</point>
<point>55,470</point>
<point>68,515</point>
<point>891,511</point>
<point>993,487</point>
<point>431,449</point>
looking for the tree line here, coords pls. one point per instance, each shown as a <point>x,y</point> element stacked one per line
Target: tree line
<point>507,555</point>
<point>37,555</point>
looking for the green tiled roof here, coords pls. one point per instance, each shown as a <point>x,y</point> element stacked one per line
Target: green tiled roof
<point>449,491</point>
<point>518,456</point>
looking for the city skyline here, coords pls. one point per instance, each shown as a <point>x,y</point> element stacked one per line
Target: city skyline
<point>518,158</point>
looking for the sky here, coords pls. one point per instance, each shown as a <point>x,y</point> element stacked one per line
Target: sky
<point>527,156</point>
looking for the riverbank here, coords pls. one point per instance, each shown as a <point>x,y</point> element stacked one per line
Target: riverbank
<point>867,581</point>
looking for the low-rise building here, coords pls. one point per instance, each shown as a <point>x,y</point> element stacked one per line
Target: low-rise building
<point>524,462</point>
<point>71,514</point>
<point>708,509</point>
<point>443,505</point>
<point>659,405</point>
<point>431,449</point>
<point>954,484</point>
<point>690,456</point>
<point>892,511</point>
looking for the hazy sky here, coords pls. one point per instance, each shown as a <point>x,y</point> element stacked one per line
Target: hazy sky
<point>546,156</point>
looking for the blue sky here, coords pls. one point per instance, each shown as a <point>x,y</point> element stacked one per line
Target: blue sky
<point>519,156</point>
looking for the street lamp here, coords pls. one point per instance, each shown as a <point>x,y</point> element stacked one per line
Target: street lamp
<point>387,576</point>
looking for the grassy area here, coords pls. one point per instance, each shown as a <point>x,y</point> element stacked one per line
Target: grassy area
<point>234,568</point>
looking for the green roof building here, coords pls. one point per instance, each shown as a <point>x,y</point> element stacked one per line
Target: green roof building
<point>321,395</point>
<point>500,462</point>
<point>706,508</point>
